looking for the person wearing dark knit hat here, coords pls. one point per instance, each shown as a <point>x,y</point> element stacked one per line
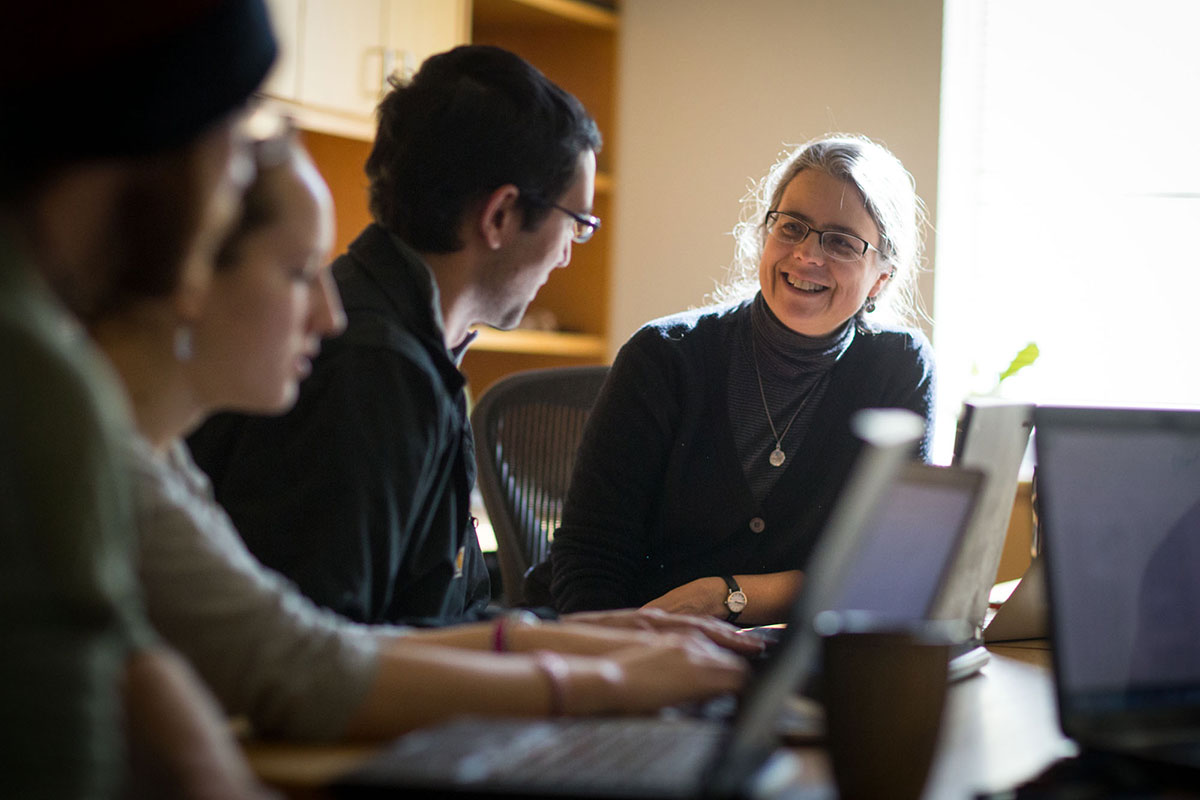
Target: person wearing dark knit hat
<point>121,165</point>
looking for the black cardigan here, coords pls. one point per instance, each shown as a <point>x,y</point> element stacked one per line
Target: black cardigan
<point>658,497</point>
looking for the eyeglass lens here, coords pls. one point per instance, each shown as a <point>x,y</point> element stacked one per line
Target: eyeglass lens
<point>580,231</point>
<point>835,244</point>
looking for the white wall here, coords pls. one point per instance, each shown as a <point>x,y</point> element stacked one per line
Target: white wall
<point>709,93</point>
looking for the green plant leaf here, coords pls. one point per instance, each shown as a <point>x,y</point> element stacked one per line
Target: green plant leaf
<point>1027,355</point>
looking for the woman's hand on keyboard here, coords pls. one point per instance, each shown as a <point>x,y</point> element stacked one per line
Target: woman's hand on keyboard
<point>639,679</point>
<point>654,619</point>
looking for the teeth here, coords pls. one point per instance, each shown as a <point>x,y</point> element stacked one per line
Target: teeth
<point>807,286</point>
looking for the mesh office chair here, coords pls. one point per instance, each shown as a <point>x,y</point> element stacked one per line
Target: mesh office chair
<point>527,428</point>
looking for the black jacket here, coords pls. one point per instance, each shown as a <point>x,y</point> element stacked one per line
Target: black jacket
<point>361,494</point>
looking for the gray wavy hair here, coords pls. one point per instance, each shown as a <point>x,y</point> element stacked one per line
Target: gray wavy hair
<point>889,194</point>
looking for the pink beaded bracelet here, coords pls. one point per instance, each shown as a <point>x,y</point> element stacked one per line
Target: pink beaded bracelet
<point>521,617</point>
<point>499,640</point>
<point>556,670</point>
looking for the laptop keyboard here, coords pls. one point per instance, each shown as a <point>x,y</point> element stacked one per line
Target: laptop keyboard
<point>659,755</point>
<point>595,752</point>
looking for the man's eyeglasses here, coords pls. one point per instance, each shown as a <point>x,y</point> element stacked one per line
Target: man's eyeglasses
<point>786,228</point>
<point>582,228</point>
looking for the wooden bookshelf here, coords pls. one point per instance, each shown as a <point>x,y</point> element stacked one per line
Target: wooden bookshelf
<point>575,45</point>
<point>546,343</point>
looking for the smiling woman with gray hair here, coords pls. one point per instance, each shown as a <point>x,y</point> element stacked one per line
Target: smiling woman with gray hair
<point>716,449</point>
<point>886,190</point>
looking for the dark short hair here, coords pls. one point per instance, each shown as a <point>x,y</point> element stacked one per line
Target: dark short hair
<point>469,121</point>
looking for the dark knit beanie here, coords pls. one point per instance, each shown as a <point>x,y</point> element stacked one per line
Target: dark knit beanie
<point>83,79</point>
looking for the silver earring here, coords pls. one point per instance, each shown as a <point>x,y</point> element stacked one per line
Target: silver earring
<point>869,306</point>
<point>183,343</point>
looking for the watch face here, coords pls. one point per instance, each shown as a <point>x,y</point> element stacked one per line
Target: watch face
<point>736,601</point>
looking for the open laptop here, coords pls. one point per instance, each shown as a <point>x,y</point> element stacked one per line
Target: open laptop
<point>910,552</point>
<point>657,757</point>
<point>992,437</point>
<point>1119,496</point>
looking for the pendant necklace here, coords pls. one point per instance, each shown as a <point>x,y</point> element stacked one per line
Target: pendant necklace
<point>777,456</point>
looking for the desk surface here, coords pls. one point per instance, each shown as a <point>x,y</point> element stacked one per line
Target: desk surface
<point>1001,728</point>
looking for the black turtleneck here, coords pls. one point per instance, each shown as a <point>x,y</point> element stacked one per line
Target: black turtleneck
<point>795,372</point>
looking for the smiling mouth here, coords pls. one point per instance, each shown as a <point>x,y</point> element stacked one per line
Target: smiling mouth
<point>805,286</point>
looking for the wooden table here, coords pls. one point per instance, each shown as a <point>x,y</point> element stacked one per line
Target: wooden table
<point>1000,729</point>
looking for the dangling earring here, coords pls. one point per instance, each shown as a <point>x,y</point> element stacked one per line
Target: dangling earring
<point>869,306</point>
<point>183,343</point>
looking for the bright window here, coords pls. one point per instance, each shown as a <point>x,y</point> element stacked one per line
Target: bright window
<point>1069,202</point>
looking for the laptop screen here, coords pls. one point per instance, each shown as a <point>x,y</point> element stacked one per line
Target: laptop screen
<point>904,554</point>
<point>1120,508</point>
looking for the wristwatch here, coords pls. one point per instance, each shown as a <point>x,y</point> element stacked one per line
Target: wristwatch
<point>736,601</point>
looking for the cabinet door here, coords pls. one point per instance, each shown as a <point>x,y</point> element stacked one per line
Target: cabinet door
<point>284,79</point>
<point>343,55</point>
<point>417,29</point>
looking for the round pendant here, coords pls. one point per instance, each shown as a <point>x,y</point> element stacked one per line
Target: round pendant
<point>777,457</point>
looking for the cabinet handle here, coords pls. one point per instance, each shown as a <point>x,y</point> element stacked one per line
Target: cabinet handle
<point>376,66</point>
<point>382,63</point>
<point>389,68</point>
<point>402,64</point>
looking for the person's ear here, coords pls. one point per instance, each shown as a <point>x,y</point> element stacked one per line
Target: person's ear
<point>880,281</point>
<point>500,216</point>
<point>191,292</point>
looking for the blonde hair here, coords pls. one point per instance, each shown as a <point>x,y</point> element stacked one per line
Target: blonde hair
<point>888,192</point>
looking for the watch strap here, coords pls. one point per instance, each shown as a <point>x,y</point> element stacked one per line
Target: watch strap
<point>733,587</point>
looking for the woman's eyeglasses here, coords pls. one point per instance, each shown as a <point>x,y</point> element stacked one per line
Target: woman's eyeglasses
<point>838,245</point>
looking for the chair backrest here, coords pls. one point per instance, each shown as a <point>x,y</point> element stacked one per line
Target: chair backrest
<point>527,428</point>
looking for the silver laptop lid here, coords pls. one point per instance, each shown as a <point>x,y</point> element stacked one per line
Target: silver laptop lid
<point>1119,503</point>
<point>992,437</point>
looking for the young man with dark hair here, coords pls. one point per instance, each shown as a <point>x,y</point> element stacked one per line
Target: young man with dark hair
<point>130,182</point>
<point>482,176</point>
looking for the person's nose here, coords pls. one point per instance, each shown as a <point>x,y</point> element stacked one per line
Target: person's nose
<point>328,317</point>
<point>566,254</point>
<point>809,248</point>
